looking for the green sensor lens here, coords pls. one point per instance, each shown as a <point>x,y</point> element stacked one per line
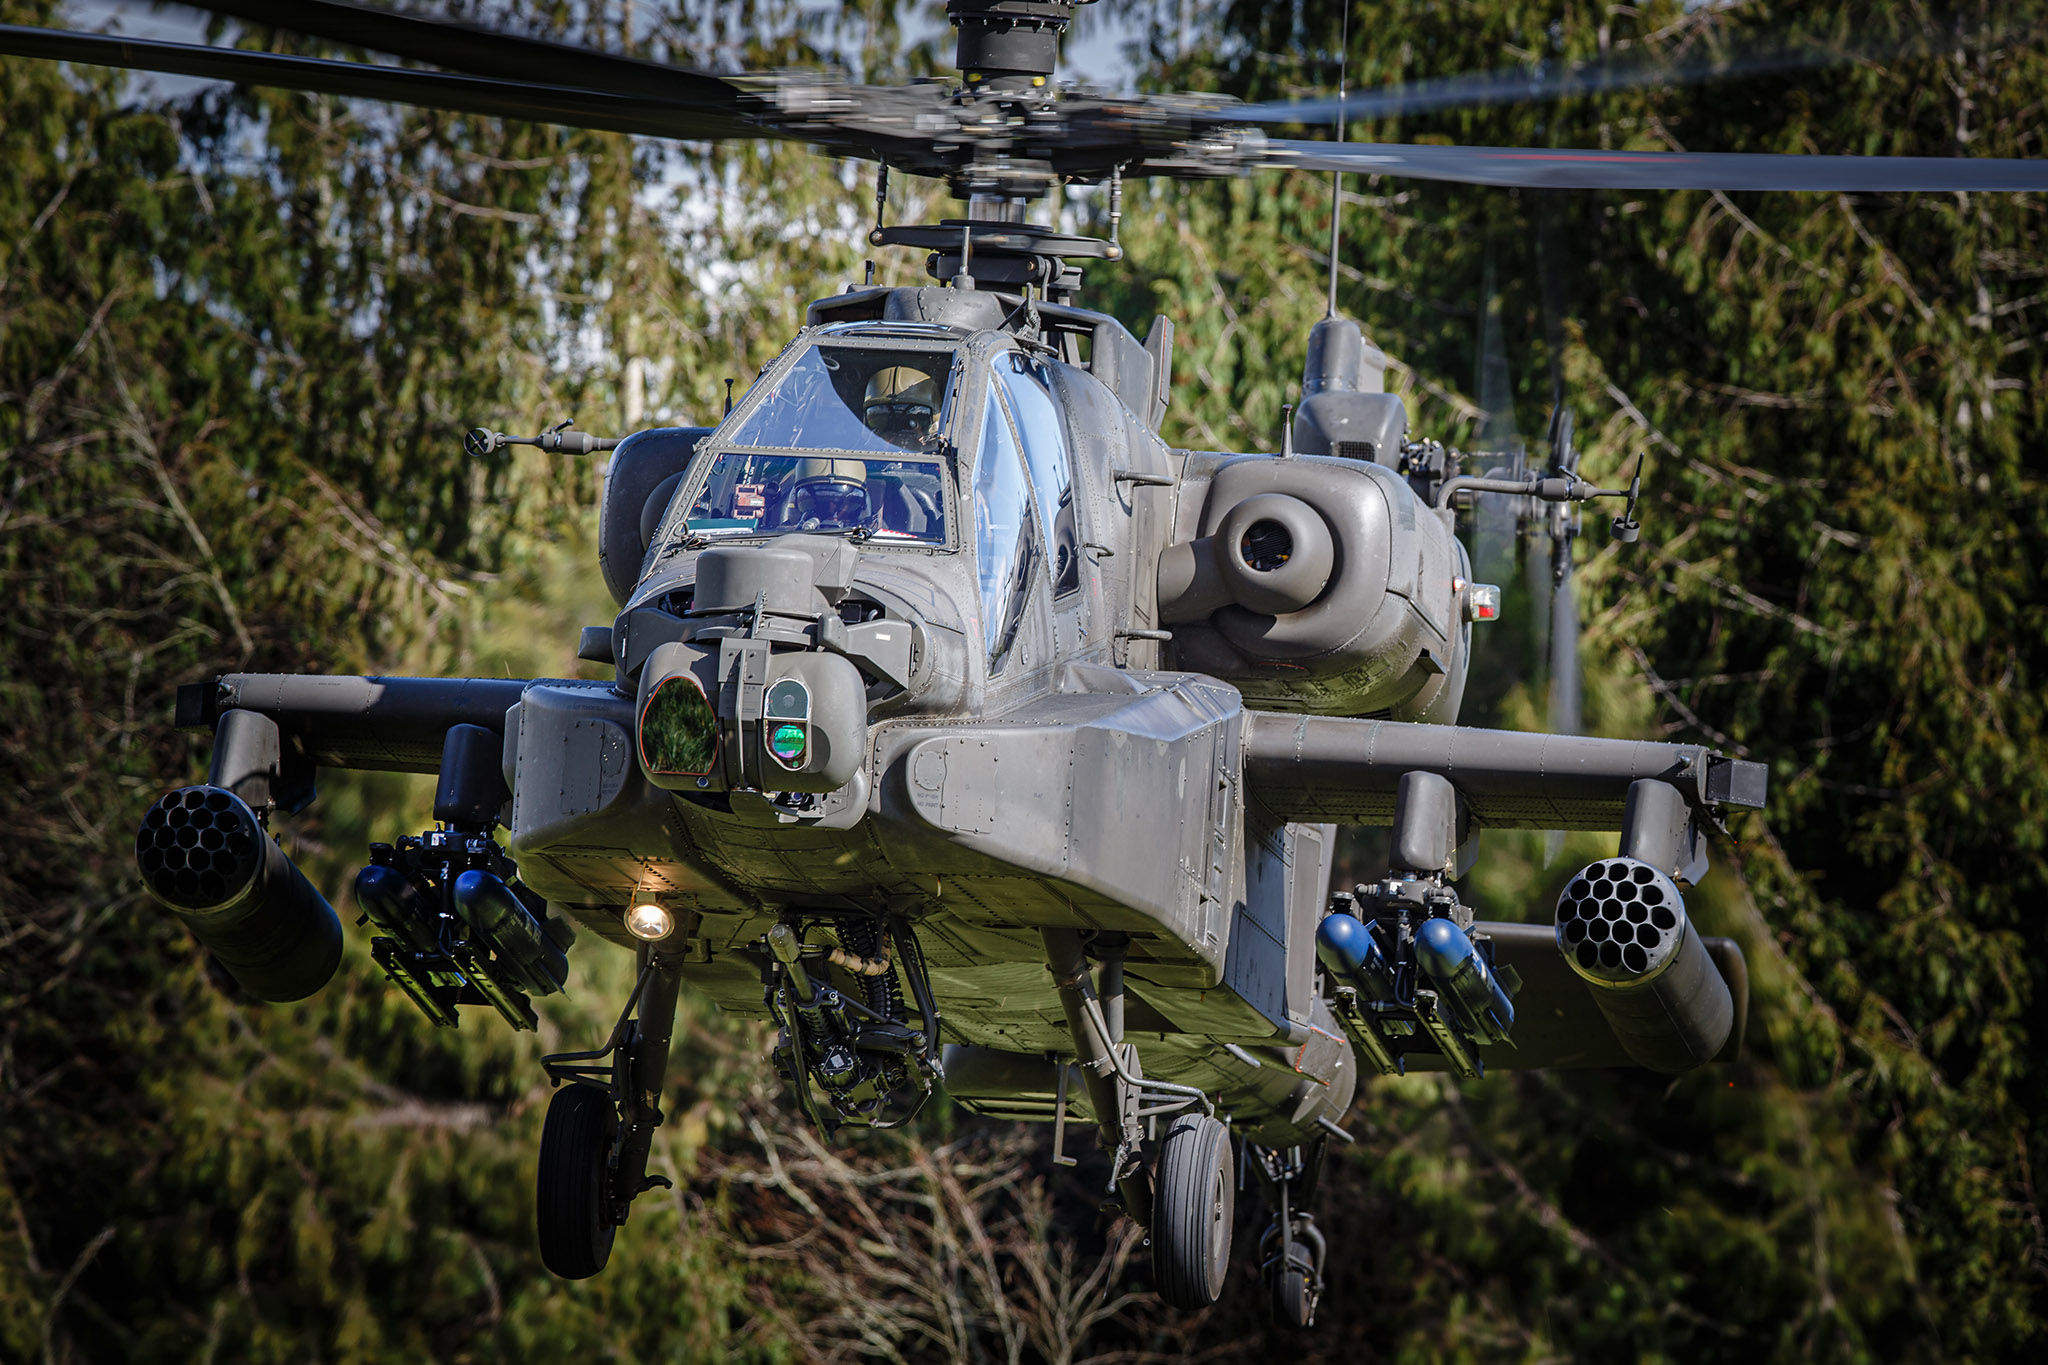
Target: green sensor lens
<point>787,743</point>
<point>678,730</point>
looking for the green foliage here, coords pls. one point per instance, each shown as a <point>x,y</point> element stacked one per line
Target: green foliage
<point>240,334</point>
<point>1840,401</point>
<point>679,731</point>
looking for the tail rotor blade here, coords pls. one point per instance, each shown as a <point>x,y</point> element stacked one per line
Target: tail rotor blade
<point>1497,522</point>
<point>1564,651</point>
<point>1498,517</point>
<point>1564,452</point>
<point>1564,669</point>
<point>1537,580</point>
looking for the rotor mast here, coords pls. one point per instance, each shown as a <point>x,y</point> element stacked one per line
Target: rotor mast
<point>1008,45</point>
<point>1007,50</point>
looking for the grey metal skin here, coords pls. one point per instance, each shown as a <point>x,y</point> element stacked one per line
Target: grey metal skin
<point>1107,779</point>
<point>1345,409</point>
<point>639,480</point>
<point>1621,924</point>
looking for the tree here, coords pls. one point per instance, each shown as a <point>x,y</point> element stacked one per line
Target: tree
<point>1840,401</point>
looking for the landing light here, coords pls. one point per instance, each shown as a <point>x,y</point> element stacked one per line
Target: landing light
<point>647,919</point>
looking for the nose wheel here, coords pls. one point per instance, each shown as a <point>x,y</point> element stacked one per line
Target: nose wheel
<point>1195,1204</point>
<point>1291,1252</point>
<point>574,1198</point>
<point>1295,1281</point>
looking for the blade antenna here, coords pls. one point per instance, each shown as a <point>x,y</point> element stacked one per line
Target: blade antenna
<point>1337,177</point>
<point>1116,204</point>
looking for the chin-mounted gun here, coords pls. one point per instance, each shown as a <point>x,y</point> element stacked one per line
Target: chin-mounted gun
<point>850,1048</point>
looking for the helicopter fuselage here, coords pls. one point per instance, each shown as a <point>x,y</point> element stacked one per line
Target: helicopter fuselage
<point>1026,765</point>
<point>937,669</point>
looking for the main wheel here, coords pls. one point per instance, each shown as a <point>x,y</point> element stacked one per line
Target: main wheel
<point>574,1205</point>
<point>1294,1306</point>
<point>1193,1209</point>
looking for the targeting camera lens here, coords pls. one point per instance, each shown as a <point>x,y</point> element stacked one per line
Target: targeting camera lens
<point>678,730</point>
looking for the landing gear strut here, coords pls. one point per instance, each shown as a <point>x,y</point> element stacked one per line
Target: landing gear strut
<point>600,1127</point>
<point>1188,1199</point>
<point>1291,1249</point>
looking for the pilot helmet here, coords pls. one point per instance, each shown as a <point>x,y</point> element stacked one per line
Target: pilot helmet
<point>900,405</point>
<point>831,492</point>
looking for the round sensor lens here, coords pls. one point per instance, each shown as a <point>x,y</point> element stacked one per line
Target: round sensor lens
<point>787,743</point>
<point>649,921</point>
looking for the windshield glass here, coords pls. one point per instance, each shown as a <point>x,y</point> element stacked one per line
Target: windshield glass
<point>758,494</point>
<point>852,398</point>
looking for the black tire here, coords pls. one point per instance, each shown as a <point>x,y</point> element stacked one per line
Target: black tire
<point>1293,1306</point>
<point>1193,1210</point>
<point>574,1213</point>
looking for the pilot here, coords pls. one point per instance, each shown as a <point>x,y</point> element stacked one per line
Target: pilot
<point>830,495</point>
<point>901,406</point>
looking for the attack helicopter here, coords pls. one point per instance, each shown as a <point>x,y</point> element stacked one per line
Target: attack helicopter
<point>968,731</point>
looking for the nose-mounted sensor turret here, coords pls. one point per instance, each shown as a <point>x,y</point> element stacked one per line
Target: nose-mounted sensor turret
<point>760,693</point>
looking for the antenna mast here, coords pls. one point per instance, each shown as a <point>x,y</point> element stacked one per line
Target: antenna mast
<point>1337,177</point>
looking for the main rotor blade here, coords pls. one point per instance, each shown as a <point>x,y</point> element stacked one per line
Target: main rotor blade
<point>1521,84</point>
<point>1564,452</point>
<point>482,52</point>
<point>596,109</point>
<point>1564,168</point>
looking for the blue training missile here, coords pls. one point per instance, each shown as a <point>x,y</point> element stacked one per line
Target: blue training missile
<point>1447,956</point>
<point>392,902</point>
<point>496,912</point>
<point>1348,948</point>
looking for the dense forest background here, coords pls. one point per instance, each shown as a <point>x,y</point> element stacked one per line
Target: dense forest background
<point>241,332</point>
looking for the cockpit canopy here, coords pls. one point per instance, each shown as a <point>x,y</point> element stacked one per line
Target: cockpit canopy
<point>858,433</point>
<point>850,397</point>
<point>750,493</point>
<point>842,437</point>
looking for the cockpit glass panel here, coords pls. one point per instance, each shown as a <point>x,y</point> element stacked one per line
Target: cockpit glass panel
<point>855,398</point>
<point>749,494</point>
<point>1005,536</point>
<point>1052,473</point>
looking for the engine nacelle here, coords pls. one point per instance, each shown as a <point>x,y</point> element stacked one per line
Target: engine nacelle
<point>1345,409</point>
<point>1321,585</point>
<point>642,478</point>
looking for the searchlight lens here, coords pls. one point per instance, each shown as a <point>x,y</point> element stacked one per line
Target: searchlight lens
<point>646,920</point>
